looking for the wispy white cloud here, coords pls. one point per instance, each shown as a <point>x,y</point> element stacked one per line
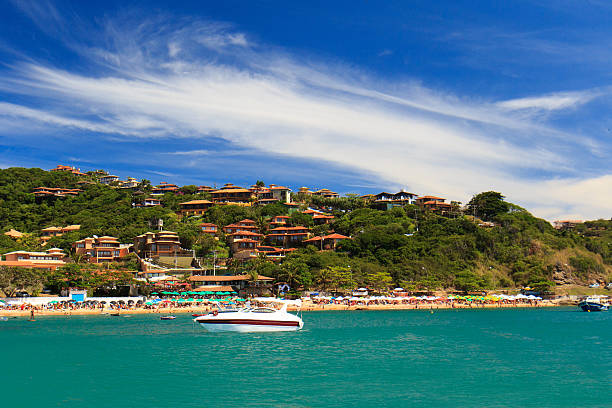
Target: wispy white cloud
<point>202,80</point>
<point>557,101</point>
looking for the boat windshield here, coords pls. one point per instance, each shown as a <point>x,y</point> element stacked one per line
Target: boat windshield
<point>263,310</point>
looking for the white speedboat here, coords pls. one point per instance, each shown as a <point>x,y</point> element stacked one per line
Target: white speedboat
<point>250,319</point>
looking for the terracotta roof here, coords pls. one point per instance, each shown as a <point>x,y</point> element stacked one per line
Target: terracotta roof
<point>288,228</point>
<point>231,190</point>
<point>336,236</point>
<point>196,202</point>
<point>214,288</point>
<point>208,224</point>
<point>225,278</point>
<point>247,233</point>
<point>13,233</point>
<point>430,197</point>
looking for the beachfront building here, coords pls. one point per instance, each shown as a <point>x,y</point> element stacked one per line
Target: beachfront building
<point>69,169</point>
<point>47,233</point>
<point>287,236</point>
<point>327,242</point>
<point>101,249</point>
<point>194,207</point>
<point>566,224</point>
<point>209,228</point>
<point>160,243</point>
<point>52,192</point>
<point>237,283</point>
<point>320,219</point>
<point>163,188</point>
<point>49,260</point>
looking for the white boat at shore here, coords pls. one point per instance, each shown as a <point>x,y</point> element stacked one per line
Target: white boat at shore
<point>251,319</point>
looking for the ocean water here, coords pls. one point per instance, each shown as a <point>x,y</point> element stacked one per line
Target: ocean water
<point>552,357</point>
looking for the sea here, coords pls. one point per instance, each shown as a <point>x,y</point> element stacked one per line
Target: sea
<point>545,357</point>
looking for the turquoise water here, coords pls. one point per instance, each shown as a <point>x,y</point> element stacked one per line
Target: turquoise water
<point>556,357</point>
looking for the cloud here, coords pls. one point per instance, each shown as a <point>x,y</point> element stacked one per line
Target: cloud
<point>205,80</point>
<point>557,101</point>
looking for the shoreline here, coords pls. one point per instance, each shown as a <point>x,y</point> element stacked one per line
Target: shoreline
<point>308,307</point>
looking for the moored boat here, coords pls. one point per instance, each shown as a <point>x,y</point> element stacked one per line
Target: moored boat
<point>594,304</point>
<point>251,319</point>
<point>167,317</point>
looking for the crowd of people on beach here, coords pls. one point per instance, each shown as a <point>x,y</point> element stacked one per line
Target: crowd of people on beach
<point>177,303</point>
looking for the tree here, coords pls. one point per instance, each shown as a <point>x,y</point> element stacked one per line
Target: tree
<point>487,205</point>
<point>379,280</point>
<point>13,279</point>
<point>260,184</point>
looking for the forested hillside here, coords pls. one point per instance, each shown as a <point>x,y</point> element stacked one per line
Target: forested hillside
<point>404,246</point>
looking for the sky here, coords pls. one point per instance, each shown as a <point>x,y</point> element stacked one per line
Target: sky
<point>448,98</point>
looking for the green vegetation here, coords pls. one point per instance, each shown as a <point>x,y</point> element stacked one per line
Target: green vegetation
<point>403,246</point>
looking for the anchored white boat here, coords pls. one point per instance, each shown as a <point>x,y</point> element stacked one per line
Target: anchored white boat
<point>251,319</point>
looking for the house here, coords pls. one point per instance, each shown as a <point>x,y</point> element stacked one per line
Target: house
<point>279,220</point>
<point>280,193</point>
<point>50,260</point>
<point>149,202</point>
<point>205,189</point>
<point>160,243</point>
<point>328,241</point>
<point>386,201</point>
<point>244,225</point>
<point>101,249</point>
<point>129,183</point>
<point>288,236</point>
<point>51,192</point>
<point>236,282</point>
<point>47,233</point>
<point>566,224</point>
<point>320,219</point>
<point>209,228</point>
<point>305,191</point>
<point>324,192</point>
<point>194,207</point>
<point>433,203</point>
<point>163,188</point>
<point>13,233</point>
<point>108,179</point>
<point>231,194</point>
<point>70,169</point>
<point>243,239</point>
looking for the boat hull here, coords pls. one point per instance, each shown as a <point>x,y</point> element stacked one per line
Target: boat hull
<point>592,307</point>
<point>250,326</point>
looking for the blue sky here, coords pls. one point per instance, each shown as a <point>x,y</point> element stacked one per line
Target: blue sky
<point>448,98</point>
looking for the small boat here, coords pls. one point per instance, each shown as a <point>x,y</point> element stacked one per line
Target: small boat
<point>256,319</point>
<point>594,304</point>
<point>115,314</point>
<point>167,317</point>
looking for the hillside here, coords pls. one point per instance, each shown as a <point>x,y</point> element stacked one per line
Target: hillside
<point>404,246</point>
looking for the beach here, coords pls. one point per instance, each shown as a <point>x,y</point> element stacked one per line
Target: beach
<point>309,306</point>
